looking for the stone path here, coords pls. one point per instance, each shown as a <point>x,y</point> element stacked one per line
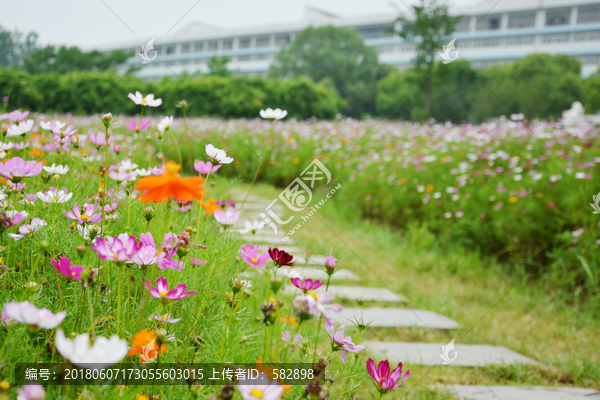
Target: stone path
<point>412,353</point>
<point>354,293</point>
<point>522,393</point>
<point>468,355</point>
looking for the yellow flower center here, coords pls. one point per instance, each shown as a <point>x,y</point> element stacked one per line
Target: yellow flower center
<point>85,217</point>
<point>254,260</point>
<point>72,273</point>
<point>115,256</point>
<point>164,316</point>
<point>4,385</point>
<point>163,294</point>
<point>144,100</point>
<point>172,168</point>
<point>313,294</point>
<point>259,394</point>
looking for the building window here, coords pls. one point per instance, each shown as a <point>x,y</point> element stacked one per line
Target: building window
<point>375,31</point>
<point>386,49</point>
<point>170,49</point>
<point>281,40</point>
<point>185,48</point>
<point>555,38</point>
<point>244,58</point>
<point>589,13</point>
<point>227,44</point>
<point>184,62</point>
<point>198,47</point>
<point>488,22</point>
<point>520,40</point>
<point>590,60</point>
<point>245,42</point>
<point>589,36</point>
<point>213,45</point>
<point>521,20</point>
<point>558,16</point>
<point>263,41</point>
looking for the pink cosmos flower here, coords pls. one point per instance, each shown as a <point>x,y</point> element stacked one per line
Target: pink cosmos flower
<point>298,340</point>
<point>32,316</point>
<point>150,254</point>
<point>162,292</point>
<point>87,217</point>
<point>206,167</point>
<point>63,265</point>
<point>17,115</point>
<point>157,170</point>
<point>577,233</point>
<point>144,101</point>
<point>313,303</point>
<point>133,126</point>
<point>118,249</point>
<point>197,262</point>
<point>385,381</point>
<point>250,256</point>
<point>15,217</point>
<point>260,388</point>
<point>227,217</point>
<point>31,391</point>
<point>341,342</point>
<point>307,284</point>
<point>5,320</point>
<point>165,318</point>
<point>16,169</point>
<point>28,229</point>
<point>99,139</point>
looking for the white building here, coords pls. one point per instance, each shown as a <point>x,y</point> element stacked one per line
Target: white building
<point>491,32</point>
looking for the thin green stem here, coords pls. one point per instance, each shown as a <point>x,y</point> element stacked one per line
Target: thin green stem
<point>92,321</point>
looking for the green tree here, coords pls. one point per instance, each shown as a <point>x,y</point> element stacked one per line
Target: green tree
<point>337,56</point>
<point>218,66</point>
<point>68,59</point>
<point>429,29</point>
<point>14,46</point>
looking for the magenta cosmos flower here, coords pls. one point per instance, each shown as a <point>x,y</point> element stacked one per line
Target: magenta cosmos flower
<point>250,256</point>
<point>63,265</point>
<point>313,303</point>
<point>85,217</point>
<point>162,292</point>
<point>118,249</point>
<point>32,316</point>
<point>16,169</point>
<point>307,284</point>
<point>206,167</point>
<point>385,381</point>
<point>227,217</point>
<point>341,342</point>
<point>133,126</point>
<point>150,254</point>
<point>99,140</point>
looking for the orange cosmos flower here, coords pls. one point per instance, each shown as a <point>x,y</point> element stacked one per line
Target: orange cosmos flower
<point>268,371</point>
<point>170,184</point>
<point>291,320</point>
<point>144,344</point>
<point>210,206</point>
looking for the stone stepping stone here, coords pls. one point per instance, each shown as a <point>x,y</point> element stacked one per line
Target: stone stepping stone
<point>353,293</point>
<point>395,317</point>
<point>521,392</point>
<point>258,207</point>
<point>269,239</point>
<point>467,355</point>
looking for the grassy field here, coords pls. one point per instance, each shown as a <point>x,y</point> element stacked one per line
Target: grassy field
<point>491,306</point>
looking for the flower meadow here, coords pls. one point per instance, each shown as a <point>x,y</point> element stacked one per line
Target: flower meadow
<point>520,191</point>
<point>112,253</point>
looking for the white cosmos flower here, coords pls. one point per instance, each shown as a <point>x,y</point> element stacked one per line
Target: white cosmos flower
<point>218,155</point>
<point>54,196</point>
<point>48,125</point>
<point>580,175</point>
<point>165,124</point>
<point>273,115</point>
<point>57,169</point>
<point>6,146</point>
<point>102,354</point>
<point>142,172</point>
<point>252,227</point>
<point>32,316</point>
<point>18,130</point>
<point>518,177</point>
<point>149,100</point>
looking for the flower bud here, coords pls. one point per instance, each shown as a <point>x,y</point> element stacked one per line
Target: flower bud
<point>276,283</point>
<point>117,148</point>
<point>148,139</point>
<point>182,104</point>
<point>161,336</point>
<point>81,249</point>
<point>31,287</point>
<point>189,230</point>
<point>72,335</point>
<point>44,245</point>
<point>197,341</point>
<point>94,231</point>
<point>56,177</point>
<point>149,213</point>
<point>330,264</point>
<point>107,117</point>
<point>243,339</point>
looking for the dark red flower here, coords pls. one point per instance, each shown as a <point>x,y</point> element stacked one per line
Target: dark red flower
<point>280,257</point>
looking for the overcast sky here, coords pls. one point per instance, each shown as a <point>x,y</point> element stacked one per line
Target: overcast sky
<point>86,23</point>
